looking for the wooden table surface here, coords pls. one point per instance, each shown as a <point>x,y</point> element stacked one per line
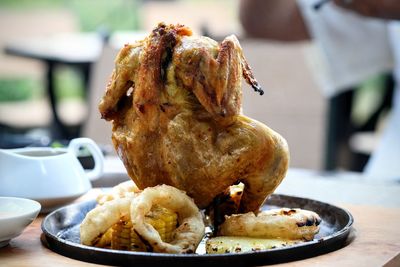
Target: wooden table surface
<point>375,241</point>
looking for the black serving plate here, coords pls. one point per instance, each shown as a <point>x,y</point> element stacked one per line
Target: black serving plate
<point>61,234</point>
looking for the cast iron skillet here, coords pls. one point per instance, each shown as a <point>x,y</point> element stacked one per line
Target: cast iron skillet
<point>61,234</point>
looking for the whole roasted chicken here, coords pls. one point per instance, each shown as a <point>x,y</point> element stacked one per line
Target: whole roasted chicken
<point>175,103</point>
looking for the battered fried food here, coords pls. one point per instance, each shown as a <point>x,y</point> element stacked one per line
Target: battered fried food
<point>134,222</point>
<point>190,230</point>
<point>125,189</point>
<point>292,224</point>
<point>100,219</point>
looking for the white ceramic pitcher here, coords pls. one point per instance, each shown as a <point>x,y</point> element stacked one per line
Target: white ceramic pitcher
<point>52,176</point>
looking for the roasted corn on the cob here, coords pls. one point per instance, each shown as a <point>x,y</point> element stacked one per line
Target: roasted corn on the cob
<point>124,236</point>
<point>121,234</point>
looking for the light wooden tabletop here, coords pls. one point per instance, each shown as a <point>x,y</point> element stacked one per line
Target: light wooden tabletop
<point>374,241</point>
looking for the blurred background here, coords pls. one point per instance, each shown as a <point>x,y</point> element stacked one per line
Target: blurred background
<point>56,57</point>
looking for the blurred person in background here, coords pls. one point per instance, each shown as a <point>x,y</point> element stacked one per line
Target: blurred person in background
<point>354,39</point>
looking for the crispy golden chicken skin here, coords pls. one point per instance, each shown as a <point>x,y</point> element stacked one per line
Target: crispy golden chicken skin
<point>175,104</point>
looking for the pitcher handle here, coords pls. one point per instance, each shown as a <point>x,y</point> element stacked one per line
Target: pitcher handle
<point>98,157</point>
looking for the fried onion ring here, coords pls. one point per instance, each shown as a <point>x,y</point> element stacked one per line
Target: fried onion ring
<point>124,189</point>
<point>101,218</point>
<point>191,226</point>
<point>277,223</point>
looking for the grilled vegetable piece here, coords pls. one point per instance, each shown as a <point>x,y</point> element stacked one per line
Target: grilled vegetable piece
<point>121,234</point>
<point>125,238</point>
<point>281,223</point>
<point>105,239</point>
<point>236,244</point>
<point>164,220</point>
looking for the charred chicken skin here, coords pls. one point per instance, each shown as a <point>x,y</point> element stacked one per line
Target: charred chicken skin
<point>175,103</point>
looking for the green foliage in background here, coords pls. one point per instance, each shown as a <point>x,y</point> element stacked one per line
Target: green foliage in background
<point>26,4</point>
<point>92,15</point>
<point>69,83</point>
<point>367,98</point>
<point>18,89</point>
<point>104,14</point>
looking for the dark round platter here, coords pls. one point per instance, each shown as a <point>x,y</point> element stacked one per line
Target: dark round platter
<point>61,234</point>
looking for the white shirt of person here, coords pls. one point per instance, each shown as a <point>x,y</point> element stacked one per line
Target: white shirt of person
<point>350,48</point>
